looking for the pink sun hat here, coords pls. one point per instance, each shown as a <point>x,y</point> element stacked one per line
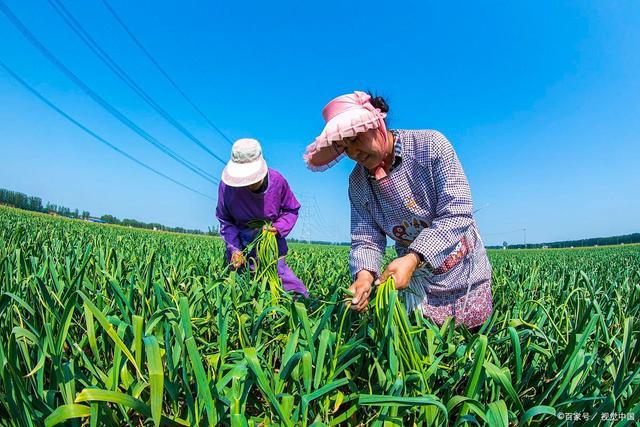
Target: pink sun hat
<point>345,116</point>
<point>246,166</point>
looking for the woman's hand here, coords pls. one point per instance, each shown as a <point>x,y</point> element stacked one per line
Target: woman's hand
<point>361,289</point>
<point>401,269</point>
<point>271,229</point>
<point>237,259</point>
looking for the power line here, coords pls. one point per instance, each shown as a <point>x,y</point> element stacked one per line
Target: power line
<point>77,28</point>
<point>98,99</point>
<point>163,72</point>
<point>93,134</point>
<point>481,207</point>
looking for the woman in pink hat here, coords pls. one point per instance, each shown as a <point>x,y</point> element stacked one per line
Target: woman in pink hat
<point>407,185</point>
<point>251,191</point>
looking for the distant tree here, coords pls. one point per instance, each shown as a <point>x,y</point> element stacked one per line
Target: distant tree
<point>51,207</point>
<point>133,223</point>
<point>85,214</point>
<point>505,244</point>
<point>35,204</point>
<point>20,200</point>
<point>110,219</point>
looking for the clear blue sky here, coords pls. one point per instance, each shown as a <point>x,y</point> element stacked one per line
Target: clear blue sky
<point>540,101</point>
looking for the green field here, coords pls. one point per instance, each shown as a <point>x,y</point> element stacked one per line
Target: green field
<point>104,325</point>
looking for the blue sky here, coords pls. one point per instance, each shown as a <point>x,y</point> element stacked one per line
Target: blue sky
<point>539,99</point>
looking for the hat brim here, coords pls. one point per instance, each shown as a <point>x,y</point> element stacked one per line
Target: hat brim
<point>323,153</point>
<point>243,174</point>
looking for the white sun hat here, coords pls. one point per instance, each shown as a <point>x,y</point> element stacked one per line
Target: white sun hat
<point>246,166</point>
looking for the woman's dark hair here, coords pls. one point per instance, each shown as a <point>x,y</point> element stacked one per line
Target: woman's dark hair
<point>379,102</point>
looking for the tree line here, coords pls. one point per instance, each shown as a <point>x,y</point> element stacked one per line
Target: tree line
<point>33,203</point>
<point>594,241</point>
<point>127,222</point>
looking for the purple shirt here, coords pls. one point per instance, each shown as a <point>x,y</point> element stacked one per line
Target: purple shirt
<point>237,206</point>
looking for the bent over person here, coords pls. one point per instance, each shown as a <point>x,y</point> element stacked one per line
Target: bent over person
<point>250,192</point>
<point>407,185</point>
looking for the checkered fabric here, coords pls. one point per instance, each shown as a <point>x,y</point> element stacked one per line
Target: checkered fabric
<point>424,205</point>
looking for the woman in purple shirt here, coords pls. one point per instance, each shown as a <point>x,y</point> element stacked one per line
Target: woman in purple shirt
<point>251,191</point>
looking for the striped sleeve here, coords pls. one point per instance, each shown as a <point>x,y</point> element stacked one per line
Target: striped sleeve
<point>368,241</point>
<point>454,210</point>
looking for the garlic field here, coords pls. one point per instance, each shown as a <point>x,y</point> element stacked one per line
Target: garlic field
<point>104,325</point>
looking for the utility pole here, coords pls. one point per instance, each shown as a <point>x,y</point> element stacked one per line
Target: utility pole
<point>306,224</point>
<point>524,230</point>
<point>304,216</point>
